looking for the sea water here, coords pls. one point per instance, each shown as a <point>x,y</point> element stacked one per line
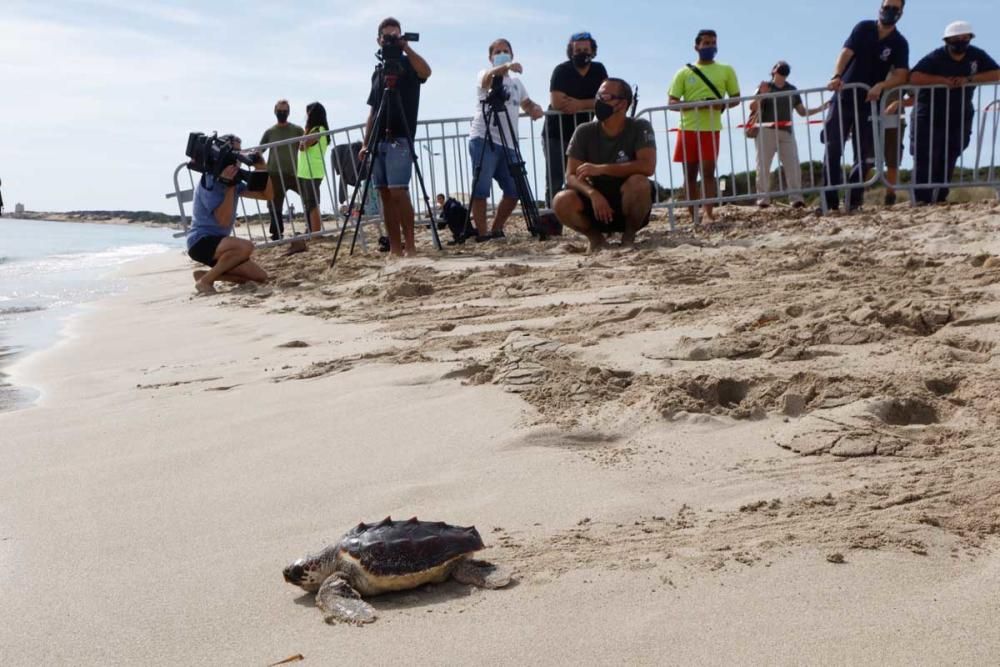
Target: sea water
<point>48,269</point>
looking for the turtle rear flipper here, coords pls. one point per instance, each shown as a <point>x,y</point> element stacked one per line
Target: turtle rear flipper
<point>342,604</point>
<point>481,573</point>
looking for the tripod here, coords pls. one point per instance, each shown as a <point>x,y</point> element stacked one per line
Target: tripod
<point>380,125</point>
<point>495,109</point>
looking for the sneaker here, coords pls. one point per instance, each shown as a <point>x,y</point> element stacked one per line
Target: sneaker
<point>890,198</point>
<point>483,238</point>
<point>497,234</point>
<point>798,204</point>
<point>763,204</point>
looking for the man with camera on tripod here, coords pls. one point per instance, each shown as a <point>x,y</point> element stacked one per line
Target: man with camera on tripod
<point>491,153</point>
<point>404,71</point>
<point>610,163</point>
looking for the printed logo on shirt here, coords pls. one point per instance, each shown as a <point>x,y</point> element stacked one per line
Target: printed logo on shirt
<point>974,68</point>
<point>886,52</point>
<point>622,158</point>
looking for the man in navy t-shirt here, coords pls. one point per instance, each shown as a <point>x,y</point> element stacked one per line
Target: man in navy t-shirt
<point>942,119</point>
<point>878,56</point>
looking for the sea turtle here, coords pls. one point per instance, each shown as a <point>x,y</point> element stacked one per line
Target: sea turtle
<point>371,559</point>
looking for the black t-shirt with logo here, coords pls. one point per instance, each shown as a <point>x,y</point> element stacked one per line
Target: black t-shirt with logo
<point>948,105</point>
<point>408,87</point>
<point>780,110</point>
<point>874,58</point>
<point>566,79</point>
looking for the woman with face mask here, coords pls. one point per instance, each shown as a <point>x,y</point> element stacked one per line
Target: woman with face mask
<point>312,168</point>
<point>572,89</point>
<point>775,134</point>
<point>491,148</point>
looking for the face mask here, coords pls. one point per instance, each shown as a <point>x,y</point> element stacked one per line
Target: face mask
<point>958,48</point>
<point>502,59</point>
<point>282,116</point>
<point>603,110</point>
<point>707,53</point>
<point>888,15</point>
<point>784,70</point>
<point>581,59</point>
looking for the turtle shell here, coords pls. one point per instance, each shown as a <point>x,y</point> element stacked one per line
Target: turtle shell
<point>398,548</point>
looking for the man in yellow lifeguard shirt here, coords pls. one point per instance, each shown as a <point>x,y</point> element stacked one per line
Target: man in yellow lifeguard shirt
<point>697,146</point>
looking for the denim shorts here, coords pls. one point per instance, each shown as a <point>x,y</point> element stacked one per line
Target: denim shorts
<point>494,168</point>
<point>393,165</point>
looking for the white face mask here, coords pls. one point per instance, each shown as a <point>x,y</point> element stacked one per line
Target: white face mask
<point>502,59</point>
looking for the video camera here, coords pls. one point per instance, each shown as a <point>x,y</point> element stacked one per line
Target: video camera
<point>391,51</point>
<point>498,94</point>
<point>211,155</point>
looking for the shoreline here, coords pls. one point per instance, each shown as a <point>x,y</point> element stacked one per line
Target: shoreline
<point>188,448</point>
<point>98,218</point>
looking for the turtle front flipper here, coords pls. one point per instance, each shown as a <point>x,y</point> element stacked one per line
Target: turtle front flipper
<point>342,604</point>
<point>481,573</point>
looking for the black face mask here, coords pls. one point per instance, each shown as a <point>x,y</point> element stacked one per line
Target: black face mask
<point>282,116</point>
<point>889,15</point>
<point>958,48</point>
<point>603,110</point>
<point>582,59</point>
<point>784,70</point>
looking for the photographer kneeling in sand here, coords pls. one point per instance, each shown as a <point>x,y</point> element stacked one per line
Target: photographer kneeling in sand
<point>209,240</point>
<point>610,162</point>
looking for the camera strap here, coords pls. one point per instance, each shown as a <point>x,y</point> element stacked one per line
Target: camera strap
<point>701,75</point>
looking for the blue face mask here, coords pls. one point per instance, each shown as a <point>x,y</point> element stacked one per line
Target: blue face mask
<point>707,53</point>
<point>502,59</point>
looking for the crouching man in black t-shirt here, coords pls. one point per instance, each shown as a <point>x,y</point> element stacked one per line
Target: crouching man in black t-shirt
<point>610,162</point>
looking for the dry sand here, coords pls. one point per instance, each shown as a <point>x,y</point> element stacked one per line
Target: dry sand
<point>771,443</point>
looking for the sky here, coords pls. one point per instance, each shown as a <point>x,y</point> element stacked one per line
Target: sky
<point>100,95</point>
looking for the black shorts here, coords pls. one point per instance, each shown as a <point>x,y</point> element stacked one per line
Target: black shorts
<point>611,188</point>
<point>203,251</point>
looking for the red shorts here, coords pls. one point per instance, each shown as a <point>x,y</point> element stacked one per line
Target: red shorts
<point>687,148</point>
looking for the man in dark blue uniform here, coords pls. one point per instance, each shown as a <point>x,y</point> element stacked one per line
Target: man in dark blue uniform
<point>942,120</point>
<point>876,55</point>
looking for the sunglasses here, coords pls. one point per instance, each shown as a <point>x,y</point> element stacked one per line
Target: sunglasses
<point>607,97</point>
<point>576,37</point>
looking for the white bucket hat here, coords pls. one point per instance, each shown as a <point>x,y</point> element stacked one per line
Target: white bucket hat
<point>957,29</point>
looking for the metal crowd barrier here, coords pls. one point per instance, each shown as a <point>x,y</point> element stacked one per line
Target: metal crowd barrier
<point>442,149</point>
<point>948,148</point>
<point>737,167</point>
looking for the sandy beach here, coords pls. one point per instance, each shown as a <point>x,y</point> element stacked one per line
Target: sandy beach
<point>772,443</point>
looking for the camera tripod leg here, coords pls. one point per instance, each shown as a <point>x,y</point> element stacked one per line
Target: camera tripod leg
<point>416,168</point>
<point>520,175</point>
<point>364,186</point>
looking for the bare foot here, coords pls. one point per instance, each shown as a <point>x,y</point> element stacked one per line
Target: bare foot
<point>199,274</point>
<point>597,244</point>
<point>204,288</point>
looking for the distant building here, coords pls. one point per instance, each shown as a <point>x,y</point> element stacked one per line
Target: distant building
<point>19,209</point>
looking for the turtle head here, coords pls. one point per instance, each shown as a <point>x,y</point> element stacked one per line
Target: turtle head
<point>310,572</point>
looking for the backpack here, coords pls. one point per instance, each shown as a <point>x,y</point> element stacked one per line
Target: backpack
<point>454,215</point>
<point>548,225</point>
